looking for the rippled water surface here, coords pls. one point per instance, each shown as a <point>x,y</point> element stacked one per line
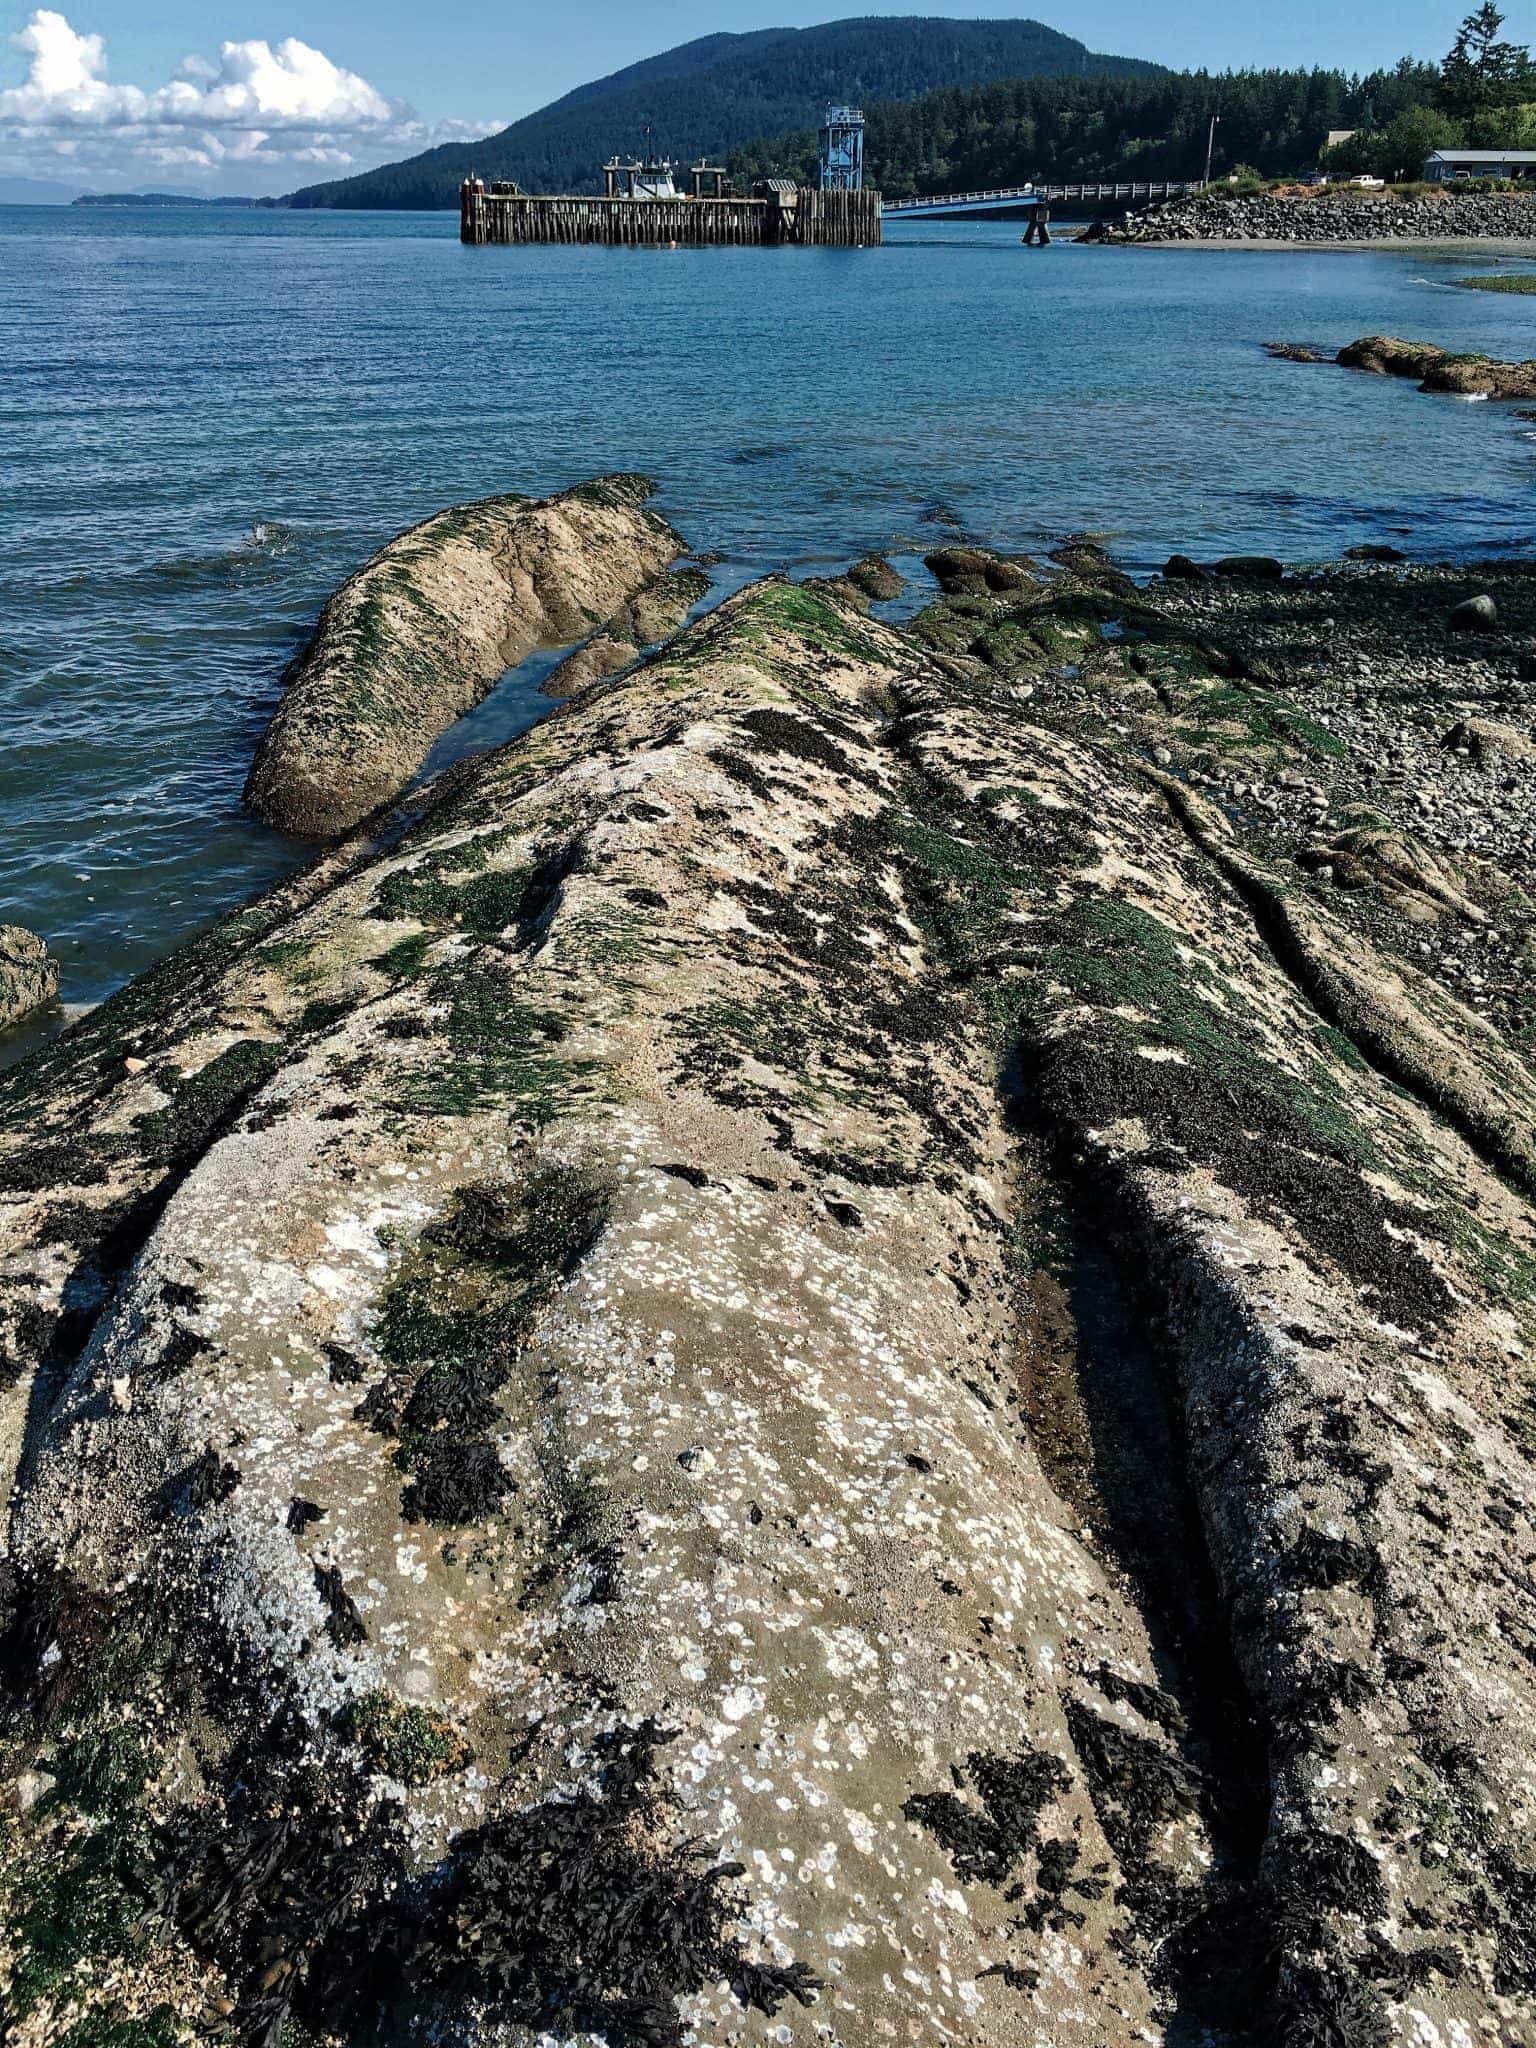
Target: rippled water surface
<point>206,421</point>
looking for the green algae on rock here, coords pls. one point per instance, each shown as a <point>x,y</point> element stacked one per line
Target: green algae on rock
<point>1440,369</point>
<point>652,615</point>
<point>842,1355</point>
<point>421,633</point>
<point>29,976</point>
<point>1519,282</point>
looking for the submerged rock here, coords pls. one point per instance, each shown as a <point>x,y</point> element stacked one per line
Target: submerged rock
<point>839,1359</point>
<point>1296,352</point>
<point>422,633</point>
<point>29,978</point>
<point>874,576</point>
<point>1252,568</point>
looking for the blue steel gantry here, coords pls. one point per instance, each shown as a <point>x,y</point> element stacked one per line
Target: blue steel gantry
<point>842,150</point>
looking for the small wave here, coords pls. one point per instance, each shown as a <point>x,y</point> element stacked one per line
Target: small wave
<point>186,569</point>
<point>1473,397</point>
<point>768,453</point>
<point>266,537</point>
<point>265,541</point>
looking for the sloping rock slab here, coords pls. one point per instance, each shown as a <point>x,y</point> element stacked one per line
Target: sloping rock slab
<point>812,1369</point>
<point>559,1358</point>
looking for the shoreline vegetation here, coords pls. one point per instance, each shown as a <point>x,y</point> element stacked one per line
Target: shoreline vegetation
<point>162,199</point>
<point>682,1259</point>
<point>1076,118</point>
<point>1520,282</point>
<point>719,93</point>
<point>1271,125</point>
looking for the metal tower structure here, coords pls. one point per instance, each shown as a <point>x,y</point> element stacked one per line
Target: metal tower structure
<point>842,150</point>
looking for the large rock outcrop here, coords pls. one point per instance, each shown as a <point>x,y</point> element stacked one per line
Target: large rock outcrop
<point>835,1361</point>
<point>423,631</point>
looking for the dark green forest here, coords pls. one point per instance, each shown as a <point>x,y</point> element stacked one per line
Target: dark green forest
<point>1018,129</point>
<point>720,92</point>
<point>1013,130</point>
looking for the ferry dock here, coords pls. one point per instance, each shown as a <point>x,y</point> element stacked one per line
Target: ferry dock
<point>641,205</point>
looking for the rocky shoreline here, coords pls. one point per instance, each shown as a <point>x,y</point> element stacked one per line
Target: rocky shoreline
<point>1330,217</point>
<point>838,1351</point>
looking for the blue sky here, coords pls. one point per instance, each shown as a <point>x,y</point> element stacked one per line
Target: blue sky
<point>260,95</point>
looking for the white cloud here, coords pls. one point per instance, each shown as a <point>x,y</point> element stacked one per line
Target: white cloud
<point>276,107</point>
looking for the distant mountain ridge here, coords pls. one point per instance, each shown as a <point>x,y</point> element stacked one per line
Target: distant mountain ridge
<point>18,191</point>
<point>721,91</point>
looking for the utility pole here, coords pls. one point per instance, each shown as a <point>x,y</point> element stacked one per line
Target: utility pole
<point>1210,147</point>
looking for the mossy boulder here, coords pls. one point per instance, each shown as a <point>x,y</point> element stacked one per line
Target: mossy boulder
<point>29,976</point>
<point>423,631</point>
<point>874,576</point>
<point>1440,369</point>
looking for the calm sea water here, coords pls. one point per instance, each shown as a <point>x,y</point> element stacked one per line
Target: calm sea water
<point>206,421</point>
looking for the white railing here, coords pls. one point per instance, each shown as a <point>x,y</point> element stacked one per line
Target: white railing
<point>1140,188</point>
<point>959,198</point>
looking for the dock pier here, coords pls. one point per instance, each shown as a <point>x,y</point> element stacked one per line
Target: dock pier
<point>778,213</point>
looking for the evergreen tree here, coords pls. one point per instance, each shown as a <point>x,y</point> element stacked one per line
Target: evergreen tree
<point>1397,150</point>
<point>1481,72</point>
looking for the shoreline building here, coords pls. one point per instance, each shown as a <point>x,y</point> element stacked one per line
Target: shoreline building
<point>1441,166</point>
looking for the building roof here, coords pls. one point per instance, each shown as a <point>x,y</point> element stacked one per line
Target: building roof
<point>1481,156</point>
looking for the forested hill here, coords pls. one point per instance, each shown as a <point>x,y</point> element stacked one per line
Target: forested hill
<point>1117,126</point>
<point>722,91</point>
